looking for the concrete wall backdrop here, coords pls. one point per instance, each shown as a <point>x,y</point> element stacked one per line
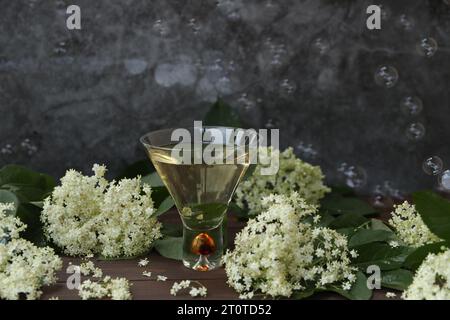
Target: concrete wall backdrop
<point>72,98</point>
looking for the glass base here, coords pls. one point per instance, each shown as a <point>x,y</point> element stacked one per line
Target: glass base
<point>202,249</point>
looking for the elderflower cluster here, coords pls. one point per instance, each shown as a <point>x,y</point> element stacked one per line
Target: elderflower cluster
<point>197,290</point>
<point>278,252</point>
<point>293,175</point>
<point>432,279</point>
<point>410,227</point>
<point>88,215</point>
<point>24,268</point>
<point>113,288</point>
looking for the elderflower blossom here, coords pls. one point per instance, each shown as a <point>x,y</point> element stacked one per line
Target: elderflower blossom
<point>88,215</point>
<point>293,175</point>
<point>24,268</point>
<point>391,295</point>
<point>147,274</point>
<point>113,288</point>
<point>197,290</point>
<point>278,252</point>
<point>410,227</point>
<point>143,262</point>
<point>88,268</point>
<point>432,279</point>
<point>161,278</point>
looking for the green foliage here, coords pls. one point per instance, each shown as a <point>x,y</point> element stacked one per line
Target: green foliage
<point>382,255</point>
<point>435,212</point>
<point>359,290</point>
<point>415,259</point>
<point>170,247</point>
<point>221,114</point>
<point>398,279</point>
<point>25,188</point>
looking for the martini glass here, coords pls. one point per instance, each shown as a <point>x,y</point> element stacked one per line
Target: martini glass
<point>201,188</point>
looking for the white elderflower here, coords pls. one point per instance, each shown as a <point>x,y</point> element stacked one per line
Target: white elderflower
<point>293,175</point>
<point>390,295</point>
<point>278,253</point>
<point>147,274</point>
<point>113,288</point>
<point>53,298</point>
<point>88,268</point>
<point>161,278</point>
<point>196,289</point>
<point>393,244</point>
<point>143,262</point>
<point>409,226</point>
<point>24,268</point>
<point>432,279</point>
<point>88,215</point>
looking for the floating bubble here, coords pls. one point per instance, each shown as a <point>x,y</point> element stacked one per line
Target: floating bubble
<point>246,103</point>
<point>161,27</point>
<point>306,151</point>
<point>433,165</point>
<point>7,149</point>
<point>378,198</point>
<point>405,22</point>
<point>287,87</point>
<point>392,191</point>
<point>320,45</point>
<point>194,25</point>
<point>271,124</point>
<point>386,76</point>
<point>29,147</point>
<point>415,131</point>
<point>427,47</point>
<point>355,177</point>
<point>411,105</point>
<point>444,179</point>
<point>135,66</point>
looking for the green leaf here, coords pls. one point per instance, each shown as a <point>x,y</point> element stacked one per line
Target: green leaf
<point>153,180</point>
<point>139,168</point>
<point>249,172</point>
<point>170,247</point>
<point>302,294</point>
<point>165,206</point>
<point>172,229</point>
<point>364,236</point>
<point>238,211</point>
<point>399,279</point>
<point>435,212</point>
<point>347,231</point>
<point>377,224</point>
<point>30,215</point>
<point>415,259</point>
<point>159,194</point>
<point>339,205</point>
<point>221,114</point>
<point>382,255</point>
<point>347,220</point>
<point>9,197</point>
<point>359,290</point>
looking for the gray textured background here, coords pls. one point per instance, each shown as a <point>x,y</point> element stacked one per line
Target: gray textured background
<point>72,98</point>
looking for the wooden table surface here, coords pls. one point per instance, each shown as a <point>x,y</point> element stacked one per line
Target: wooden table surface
<point>145,288</point>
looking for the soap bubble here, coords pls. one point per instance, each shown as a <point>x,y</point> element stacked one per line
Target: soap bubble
<point>29,147</point>
<point>427,47</point>
<point>355,177</point>
<point>161,27</point>
<point>271,124</point>
<point>386,76</point>
<point>305,151</point>
<point>415,131</point>
<point>135,66</point>
<point>378,198</point>
<point>246,102</point>
<point>432,165</point>
<point>411,105</point>
<point>405,22</point>
<point>7,149</point>
<point>287,87</point>
<point>194,25</point>
<point>320,46</point>
<point>444,179</point>
<point>392,191</point>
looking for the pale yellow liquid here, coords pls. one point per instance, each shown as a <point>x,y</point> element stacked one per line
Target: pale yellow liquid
<point>201,192</point>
